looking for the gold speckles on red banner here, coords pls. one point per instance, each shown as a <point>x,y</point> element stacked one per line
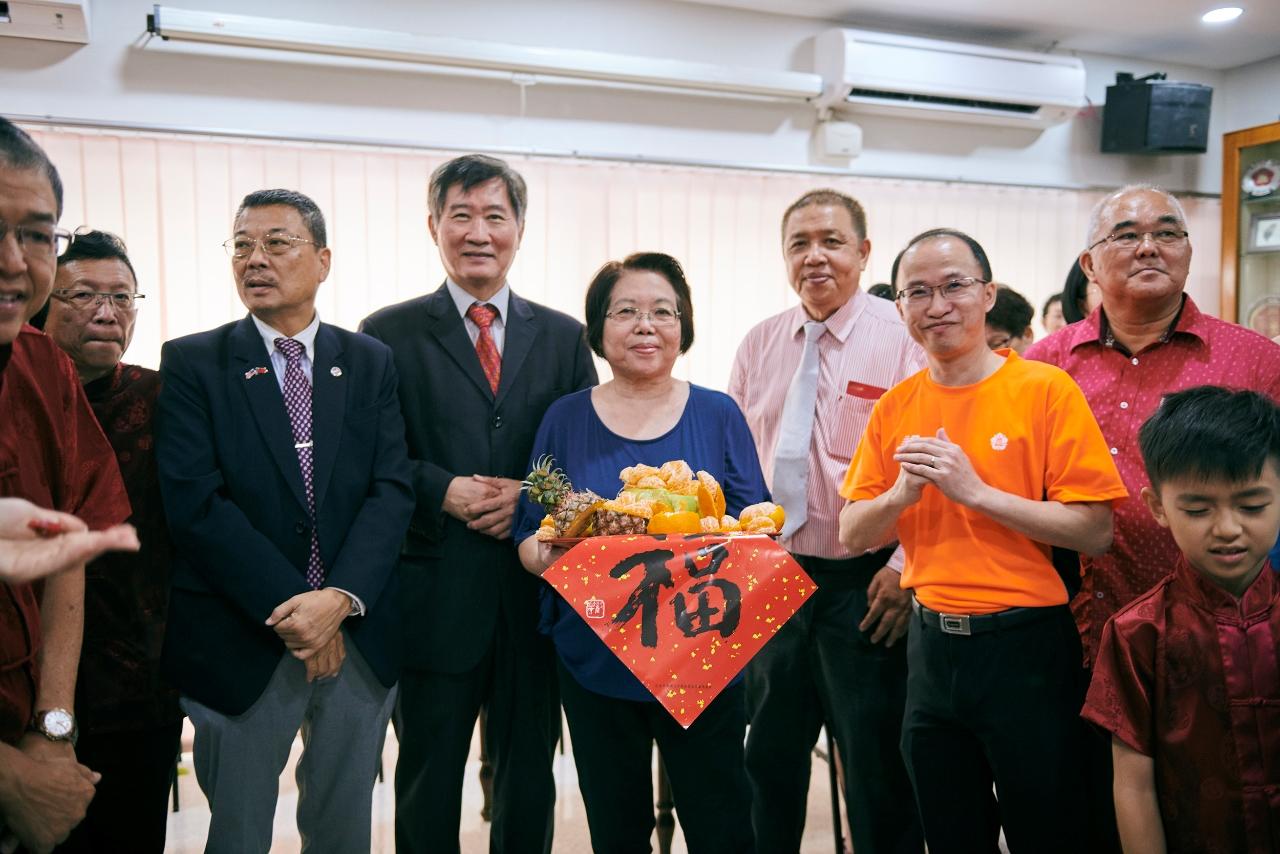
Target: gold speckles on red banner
<point>684,613</point>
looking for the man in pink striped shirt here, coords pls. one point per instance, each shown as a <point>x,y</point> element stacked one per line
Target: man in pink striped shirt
<point>837,661</point>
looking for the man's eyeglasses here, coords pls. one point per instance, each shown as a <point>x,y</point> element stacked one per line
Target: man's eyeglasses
<point>86,300</point>
<point>275,244</point>
<point>660,316</point>
<point>955,289</point>
<point>1131,239</point>
<point>38,241</point>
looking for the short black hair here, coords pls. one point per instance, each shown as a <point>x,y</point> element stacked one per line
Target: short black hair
<point>1074,291</point>
<point>1010,312</point>
<point>884,290</point>
<point>832,198</point>
<point>88,245</point>
<point>1210,433</point>
<point>975,247</point>
<point>19,151</point>
<point>600,291</point>
<point>1048,304</point>
<point>471,170</point>
<point>303,204</point>
<point>93,245</point>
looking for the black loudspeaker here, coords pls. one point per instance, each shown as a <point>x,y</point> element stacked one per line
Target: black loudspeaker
<point>1151,115</point>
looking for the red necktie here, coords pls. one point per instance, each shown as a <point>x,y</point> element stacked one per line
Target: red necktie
<point>490,360</point>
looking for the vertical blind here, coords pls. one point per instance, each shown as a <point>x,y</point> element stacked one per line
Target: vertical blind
<point>172,199</point>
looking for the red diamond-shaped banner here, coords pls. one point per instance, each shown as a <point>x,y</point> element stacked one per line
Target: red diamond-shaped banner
<point>684,613</point>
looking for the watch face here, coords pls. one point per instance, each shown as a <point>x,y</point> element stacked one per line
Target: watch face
<point>58,723</point>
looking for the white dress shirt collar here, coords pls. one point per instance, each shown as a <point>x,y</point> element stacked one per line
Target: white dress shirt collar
<point>464,300</point>
<point>307,337</point>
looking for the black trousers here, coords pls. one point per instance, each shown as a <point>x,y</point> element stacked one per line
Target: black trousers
<point>434,719</point>
<point>613,751</point>
<point>1104,834</point>
<point>819,668</point>
<point>131,806</point>
<point>998,706</point>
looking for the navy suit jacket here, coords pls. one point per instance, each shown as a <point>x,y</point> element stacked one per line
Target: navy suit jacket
<point>455,583</point>
<point>236,505</point>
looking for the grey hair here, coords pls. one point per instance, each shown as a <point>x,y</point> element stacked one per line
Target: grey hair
<point>1095,215</point>
<point>312,218</point>
<point>471,170</point>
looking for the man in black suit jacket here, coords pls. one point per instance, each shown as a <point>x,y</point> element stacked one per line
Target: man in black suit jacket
<point>478,368</point>
<point>285,480</point>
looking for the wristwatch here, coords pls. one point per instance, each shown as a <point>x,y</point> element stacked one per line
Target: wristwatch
<point>56,725</point>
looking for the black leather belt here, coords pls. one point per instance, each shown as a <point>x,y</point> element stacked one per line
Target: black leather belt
<point>972,624</point>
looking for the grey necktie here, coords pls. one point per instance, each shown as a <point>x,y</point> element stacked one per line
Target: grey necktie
<point>791,456</point>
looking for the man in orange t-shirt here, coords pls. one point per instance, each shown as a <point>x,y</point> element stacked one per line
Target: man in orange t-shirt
<point>979,465</point>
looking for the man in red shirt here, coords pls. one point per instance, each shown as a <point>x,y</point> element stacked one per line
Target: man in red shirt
<point>53,454</point>
<point>1148,338</point>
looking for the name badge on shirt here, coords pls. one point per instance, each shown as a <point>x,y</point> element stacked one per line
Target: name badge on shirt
<point>864,391</point>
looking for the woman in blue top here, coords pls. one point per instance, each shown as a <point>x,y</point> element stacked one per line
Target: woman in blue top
<point>640,319</point>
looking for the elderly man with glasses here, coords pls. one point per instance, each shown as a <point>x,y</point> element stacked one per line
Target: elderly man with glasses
<point>978,465</point>
<point>129,718</point>
<point>1148,339</point>
<point>285,481</point>
<point>53,454</point>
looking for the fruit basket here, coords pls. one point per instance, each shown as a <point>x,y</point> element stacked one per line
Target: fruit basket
<point>670,499</point>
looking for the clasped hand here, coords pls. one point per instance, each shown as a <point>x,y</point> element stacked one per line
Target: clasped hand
<point>486,504</point>
<point>937,460</point>
<point>310,624</point>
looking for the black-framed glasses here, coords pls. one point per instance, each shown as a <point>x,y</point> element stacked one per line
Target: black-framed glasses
<point>272,244</point>
<point>42,240</point>
<point>952,290</point>
<point>660,316</point>
<point>84,300</point>
<point>1131,239</point>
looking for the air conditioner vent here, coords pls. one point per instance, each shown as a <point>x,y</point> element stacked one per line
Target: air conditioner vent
<point>972,103</point>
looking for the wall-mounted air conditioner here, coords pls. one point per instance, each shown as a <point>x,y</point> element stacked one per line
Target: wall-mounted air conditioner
<point>52,20</point>
<point>868,72</point>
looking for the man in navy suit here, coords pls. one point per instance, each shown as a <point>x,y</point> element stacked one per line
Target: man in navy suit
<point>284,472</point>
<point>478,368</point>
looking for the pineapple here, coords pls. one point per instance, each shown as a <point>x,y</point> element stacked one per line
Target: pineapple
<point>622,516</point>
<point>570,511</point>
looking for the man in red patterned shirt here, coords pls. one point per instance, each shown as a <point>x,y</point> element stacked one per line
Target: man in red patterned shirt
<point>53,454</point>
<point>1148,338</point>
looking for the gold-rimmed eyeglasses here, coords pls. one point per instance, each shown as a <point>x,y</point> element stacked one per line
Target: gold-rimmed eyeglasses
<point>272,244</point>
<point>660,316</point>
<point>1131,239</point>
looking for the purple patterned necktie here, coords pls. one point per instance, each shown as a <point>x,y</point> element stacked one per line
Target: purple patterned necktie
<point>297,399</point>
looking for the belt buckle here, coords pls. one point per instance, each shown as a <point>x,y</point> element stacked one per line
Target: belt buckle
<point>954,624</point>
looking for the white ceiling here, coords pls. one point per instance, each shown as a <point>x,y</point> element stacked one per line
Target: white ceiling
<point>1157,30</point>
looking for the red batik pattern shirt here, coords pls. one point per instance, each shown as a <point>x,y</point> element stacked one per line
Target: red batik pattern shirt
<point>1123,389</point>
<point>1190,676</point>
<point>53,454</point>
<point>126,595</point>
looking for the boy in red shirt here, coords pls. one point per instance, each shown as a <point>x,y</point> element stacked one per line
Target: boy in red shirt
<point>1188,676</point>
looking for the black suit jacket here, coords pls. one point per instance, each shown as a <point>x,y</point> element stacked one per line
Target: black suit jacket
<point>455,582</point>
<point>237,509</point>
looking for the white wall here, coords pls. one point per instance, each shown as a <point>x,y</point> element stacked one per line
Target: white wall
<point>112,80</point>
<point>1253,95</point>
